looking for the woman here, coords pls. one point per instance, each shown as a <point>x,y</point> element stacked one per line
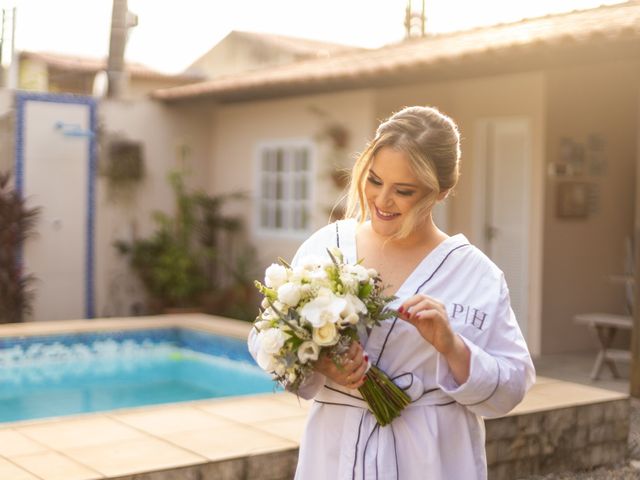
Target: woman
<point>455,348</point>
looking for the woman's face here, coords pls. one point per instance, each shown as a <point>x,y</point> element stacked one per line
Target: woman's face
<point>391,190</point>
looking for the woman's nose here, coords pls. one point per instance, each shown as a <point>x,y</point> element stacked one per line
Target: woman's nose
<point>385,197</point>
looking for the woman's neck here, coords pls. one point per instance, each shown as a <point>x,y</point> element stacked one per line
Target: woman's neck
<point>425,236</point>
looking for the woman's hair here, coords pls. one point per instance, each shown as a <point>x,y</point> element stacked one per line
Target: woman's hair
<point>431,142</point>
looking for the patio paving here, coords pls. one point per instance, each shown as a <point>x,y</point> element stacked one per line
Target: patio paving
<point>118,444</point>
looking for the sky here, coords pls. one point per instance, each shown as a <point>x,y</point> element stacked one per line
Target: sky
<point>171,34</point>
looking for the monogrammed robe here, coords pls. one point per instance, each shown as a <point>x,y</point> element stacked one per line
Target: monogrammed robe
<point>440,435</point>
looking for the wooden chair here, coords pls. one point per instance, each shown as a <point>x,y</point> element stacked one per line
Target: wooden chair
<point>606,325</point>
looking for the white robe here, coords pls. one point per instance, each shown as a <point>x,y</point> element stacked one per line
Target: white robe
<point>440,435</point>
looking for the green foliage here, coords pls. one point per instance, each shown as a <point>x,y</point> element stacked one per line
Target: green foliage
<point>17,224</point>
<point>182,263</point>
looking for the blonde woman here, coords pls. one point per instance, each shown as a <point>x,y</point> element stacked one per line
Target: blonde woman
<point>456,347</point>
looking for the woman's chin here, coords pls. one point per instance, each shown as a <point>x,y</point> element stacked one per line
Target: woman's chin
<point>385,228</point>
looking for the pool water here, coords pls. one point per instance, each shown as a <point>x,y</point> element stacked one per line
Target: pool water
<point>62,375</point>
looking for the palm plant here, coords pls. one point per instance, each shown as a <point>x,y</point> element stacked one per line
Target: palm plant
<point>17,224</point>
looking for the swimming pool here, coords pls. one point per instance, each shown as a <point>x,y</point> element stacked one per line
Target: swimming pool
<point>54,375</point>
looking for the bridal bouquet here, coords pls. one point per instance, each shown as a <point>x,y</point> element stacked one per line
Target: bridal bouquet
<point>320,305</point>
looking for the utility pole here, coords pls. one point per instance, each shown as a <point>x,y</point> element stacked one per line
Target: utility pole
<point>121,21</point>
<point>415,21</point>
<point>634,378</point>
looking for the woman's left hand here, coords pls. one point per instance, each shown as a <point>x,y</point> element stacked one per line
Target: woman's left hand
<point>430,317</point>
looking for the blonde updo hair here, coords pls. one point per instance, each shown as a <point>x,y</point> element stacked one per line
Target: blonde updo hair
<point>431,142</point>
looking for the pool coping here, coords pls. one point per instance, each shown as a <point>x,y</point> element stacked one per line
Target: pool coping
<point>195,321</point>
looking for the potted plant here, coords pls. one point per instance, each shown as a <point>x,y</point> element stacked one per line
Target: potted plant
<point>181,263</point>
<point>17,223</point>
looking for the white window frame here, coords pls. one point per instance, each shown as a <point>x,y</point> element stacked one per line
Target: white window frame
<point>287,145</point>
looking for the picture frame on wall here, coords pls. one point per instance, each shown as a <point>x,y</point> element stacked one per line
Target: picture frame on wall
<point>572,200</point>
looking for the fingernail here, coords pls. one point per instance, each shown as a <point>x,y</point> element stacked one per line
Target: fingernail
<point>366,357</point>
<point>401,309</point>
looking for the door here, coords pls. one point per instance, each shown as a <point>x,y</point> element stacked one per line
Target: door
<point>502,218</point>
<point>55,169</point>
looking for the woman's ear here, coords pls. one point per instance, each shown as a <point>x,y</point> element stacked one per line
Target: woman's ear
<point>443,194</point>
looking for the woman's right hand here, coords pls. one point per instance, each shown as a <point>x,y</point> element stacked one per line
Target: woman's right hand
<point>350,372</point>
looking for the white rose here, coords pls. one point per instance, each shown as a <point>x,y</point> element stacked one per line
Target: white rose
<point>275,275</point>
<point>372,272</point>
<point>350,319</point>
<point>271,340</point>
<point>350,282</point>
<point>308,351</point>
<point>358,271</point>
<point>326,307</point>
<point>289,294</point>
<point>326,335</point>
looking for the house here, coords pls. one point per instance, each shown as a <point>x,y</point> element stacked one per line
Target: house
<point>239,52</point>
<point>53,72</point>
<point>548,110</point>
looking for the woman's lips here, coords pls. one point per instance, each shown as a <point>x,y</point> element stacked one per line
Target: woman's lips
<point>384,215</point>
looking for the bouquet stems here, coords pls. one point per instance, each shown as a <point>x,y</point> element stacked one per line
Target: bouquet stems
<point>385,399</point>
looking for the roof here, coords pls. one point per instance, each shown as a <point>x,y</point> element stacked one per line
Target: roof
<point>527,44</point>
<point>295,45</point>
<point>93,65</point>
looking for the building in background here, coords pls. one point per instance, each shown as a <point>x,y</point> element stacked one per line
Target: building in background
<point>240,52</point>
<point>549,113</point>
<point>58,73</point>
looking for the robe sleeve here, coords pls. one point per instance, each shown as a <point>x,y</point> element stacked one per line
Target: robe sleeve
<point>501,370</point>
<point>313,245</point>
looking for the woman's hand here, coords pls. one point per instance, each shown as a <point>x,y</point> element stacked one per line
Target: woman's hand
<point>430,317</point>
<point>350,372</point>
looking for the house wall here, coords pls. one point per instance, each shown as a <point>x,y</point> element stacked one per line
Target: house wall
<point>6,130</point>
<point>238,129</point>
<point>579,254</point>
<point>236,54</point>
<point>467,102</point>
<point>176,137</point>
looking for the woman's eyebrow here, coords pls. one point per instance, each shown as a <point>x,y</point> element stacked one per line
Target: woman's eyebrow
<point>397,184</point>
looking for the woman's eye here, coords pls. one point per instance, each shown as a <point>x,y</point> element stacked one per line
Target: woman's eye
<point>374,181</point>
<point>405,193</point>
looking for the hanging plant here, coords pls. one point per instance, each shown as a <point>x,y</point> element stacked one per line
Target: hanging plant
<point>123,168</point>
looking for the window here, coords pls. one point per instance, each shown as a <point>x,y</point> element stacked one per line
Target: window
<point>285,184</point>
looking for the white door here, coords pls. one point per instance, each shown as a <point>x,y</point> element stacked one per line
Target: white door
<point>502,184</point>
<point>54,172</point>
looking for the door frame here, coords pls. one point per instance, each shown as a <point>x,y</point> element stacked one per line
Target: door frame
<point>534,207</point>
<point>21,100</point>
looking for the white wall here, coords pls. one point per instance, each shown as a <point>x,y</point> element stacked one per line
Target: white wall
<point>238,129</point>
<point>163,132</point>
<point>467,101</point>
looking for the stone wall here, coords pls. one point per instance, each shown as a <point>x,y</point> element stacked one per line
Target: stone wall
<point>575,438</point>
<point>580,437</point>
